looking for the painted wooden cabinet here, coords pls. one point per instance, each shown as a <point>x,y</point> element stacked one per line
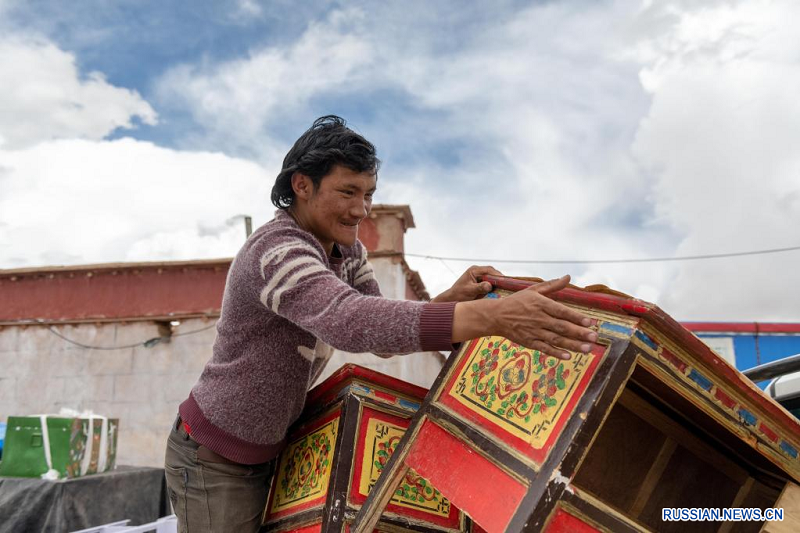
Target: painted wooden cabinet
<point>650,419</point>
<point>352,423</point>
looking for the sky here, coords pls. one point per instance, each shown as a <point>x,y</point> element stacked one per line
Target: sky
<point>140,130</point>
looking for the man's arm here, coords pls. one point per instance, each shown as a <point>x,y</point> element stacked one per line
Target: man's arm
<point>300,288</point>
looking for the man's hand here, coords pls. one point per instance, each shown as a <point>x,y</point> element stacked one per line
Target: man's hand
<point>529,318</point>
<point>467,288</point>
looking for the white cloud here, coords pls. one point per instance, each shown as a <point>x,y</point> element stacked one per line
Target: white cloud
<point>247,10</point>
<point>549,91</point>
<point>71,201</point>
<point>67,196</point>
<point>578,131</point>
<point>721,137</point>
<point>237,101</point>
<point>43,97</point>
<point>708,163</point>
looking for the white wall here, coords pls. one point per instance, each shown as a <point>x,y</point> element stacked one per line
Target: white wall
<point>41,373</point>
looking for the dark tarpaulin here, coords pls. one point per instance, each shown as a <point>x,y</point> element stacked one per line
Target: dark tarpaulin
<point>31,505</point>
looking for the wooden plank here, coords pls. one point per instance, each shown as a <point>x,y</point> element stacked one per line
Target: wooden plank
<point>598,513</point>
<point>653,475</point>
<point>341,463</point>
<point>744,491</point>
<point>679,433</point>
<point>316,528</point>
<point>789,501</point>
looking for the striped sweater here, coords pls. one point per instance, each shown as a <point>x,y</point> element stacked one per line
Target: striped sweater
<point>286,306</point>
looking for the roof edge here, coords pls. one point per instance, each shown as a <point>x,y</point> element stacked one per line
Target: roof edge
<point>57,269</point>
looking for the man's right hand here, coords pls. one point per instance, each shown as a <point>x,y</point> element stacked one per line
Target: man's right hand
<point>530,318</point>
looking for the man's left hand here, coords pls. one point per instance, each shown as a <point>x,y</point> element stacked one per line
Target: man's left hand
<point>467,288</point>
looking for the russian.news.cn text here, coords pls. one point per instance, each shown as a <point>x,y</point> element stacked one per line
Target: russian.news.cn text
<point>725,514</point>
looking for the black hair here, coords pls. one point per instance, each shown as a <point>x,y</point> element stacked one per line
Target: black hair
<point>326,143</point>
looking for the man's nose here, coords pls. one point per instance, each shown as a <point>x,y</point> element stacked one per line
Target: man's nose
<point>360,209</point>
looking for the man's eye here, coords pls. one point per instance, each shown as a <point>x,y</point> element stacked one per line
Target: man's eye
<point>368,196</point>
<point>347,193</point>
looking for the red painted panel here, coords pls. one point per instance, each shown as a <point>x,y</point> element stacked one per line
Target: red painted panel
<point>477,529</point>
<point>476,485</point>
<point>673,360</point>
<point>357,498</point>
<point>114,292</point>
<point>724,399</point>
<point>767,431</point>
<point>385,395</point>
<point>563,522</point>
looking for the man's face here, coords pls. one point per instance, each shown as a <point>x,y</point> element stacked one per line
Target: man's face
<point>334,210</point>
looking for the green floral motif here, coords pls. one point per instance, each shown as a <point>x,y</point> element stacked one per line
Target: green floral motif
<point>306,465</point>
<point>525,384</point>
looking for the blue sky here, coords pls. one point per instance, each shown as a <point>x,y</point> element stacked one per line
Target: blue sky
<point>525,130</point>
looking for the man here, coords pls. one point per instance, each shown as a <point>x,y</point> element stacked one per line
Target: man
<point>300,287</point>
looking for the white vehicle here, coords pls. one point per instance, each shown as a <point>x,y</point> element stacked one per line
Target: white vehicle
<point>784,387</point>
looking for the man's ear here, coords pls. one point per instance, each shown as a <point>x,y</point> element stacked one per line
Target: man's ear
<point>302,186</point>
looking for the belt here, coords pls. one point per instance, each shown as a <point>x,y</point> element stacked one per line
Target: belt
<point>203,453</point>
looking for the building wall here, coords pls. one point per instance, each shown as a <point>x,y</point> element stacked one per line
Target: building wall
<point>42,373</point>
<point>119,305</point>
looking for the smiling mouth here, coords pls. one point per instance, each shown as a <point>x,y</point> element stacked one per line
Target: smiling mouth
<point>349,225</point>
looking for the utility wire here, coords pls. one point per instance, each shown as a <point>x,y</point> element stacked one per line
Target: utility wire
<point>595,261</point>
<point>149,343</point>
<point>155,340</point>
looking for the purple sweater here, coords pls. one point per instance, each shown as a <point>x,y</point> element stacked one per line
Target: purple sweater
<point>287,305</point>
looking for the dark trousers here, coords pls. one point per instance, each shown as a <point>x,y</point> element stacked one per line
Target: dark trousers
<point>213,496</point>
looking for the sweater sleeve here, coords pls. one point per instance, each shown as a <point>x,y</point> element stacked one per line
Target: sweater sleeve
<point>299,286</point>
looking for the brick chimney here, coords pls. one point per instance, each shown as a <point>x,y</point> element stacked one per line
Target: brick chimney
<point>383,234</point>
